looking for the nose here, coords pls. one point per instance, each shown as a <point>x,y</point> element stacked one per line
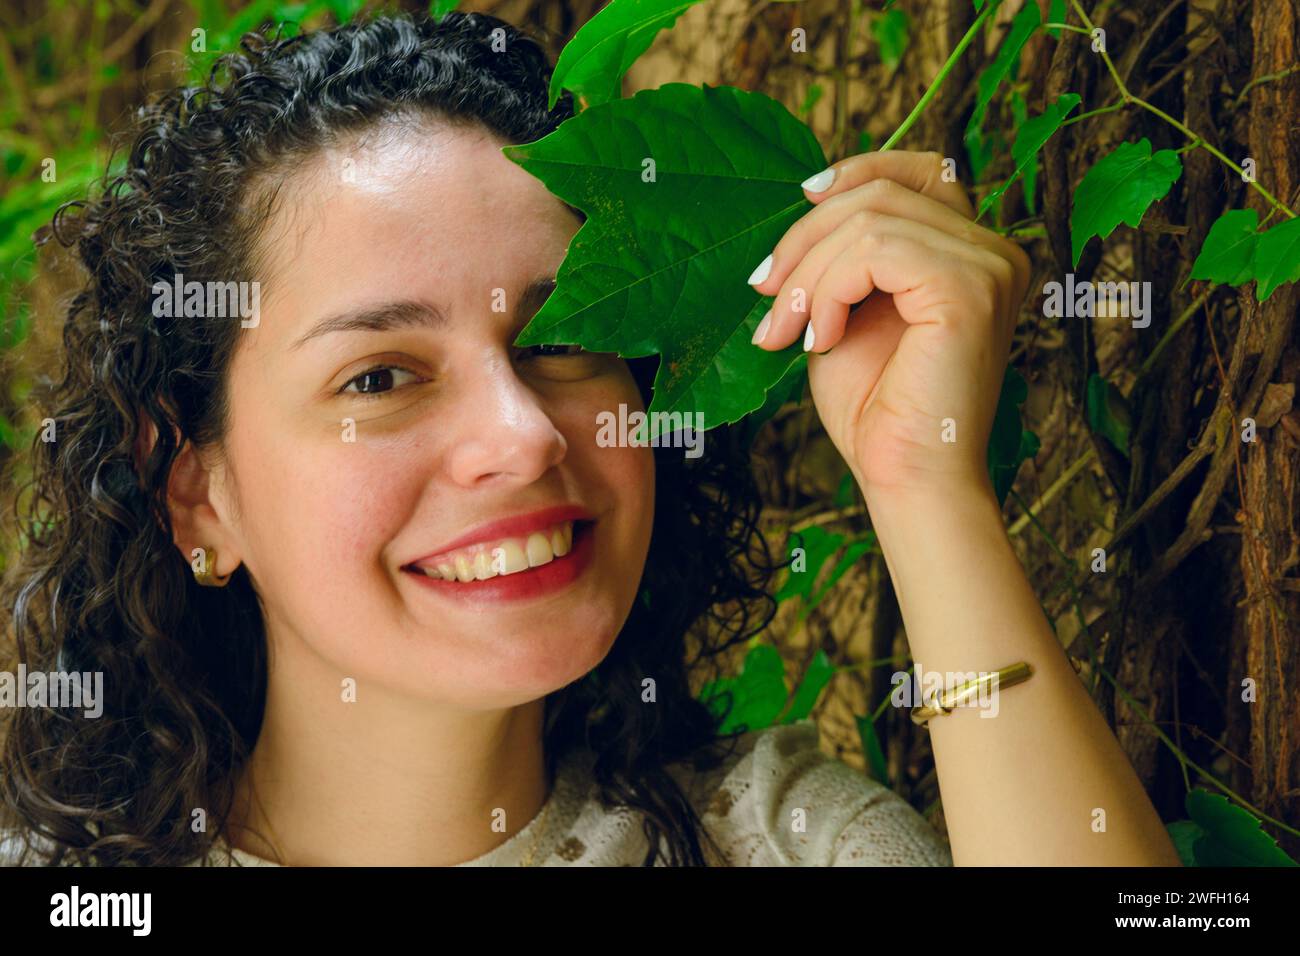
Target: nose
<point>505,435</point>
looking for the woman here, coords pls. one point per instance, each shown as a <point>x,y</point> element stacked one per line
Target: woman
<point>454,628</point>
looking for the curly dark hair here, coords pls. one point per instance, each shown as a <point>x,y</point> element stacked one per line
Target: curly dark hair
<point>98,587</point>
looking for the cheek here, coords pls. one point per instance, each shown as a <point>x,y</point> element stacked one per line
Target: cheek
<point>316,514</point>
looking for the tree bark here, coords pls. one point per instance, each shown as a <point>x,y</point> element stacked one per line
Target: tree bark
<point>1270,467</point>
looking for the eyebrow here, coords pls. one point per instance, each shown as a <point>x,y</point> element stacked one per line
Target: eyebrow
<point>415,313</point>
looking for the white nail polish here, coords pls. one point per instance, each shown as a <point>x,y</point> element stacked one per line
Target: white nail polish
<point>819,182</point>
<point>808,338</point>
<point>763,270</point>
<point>760,333</point>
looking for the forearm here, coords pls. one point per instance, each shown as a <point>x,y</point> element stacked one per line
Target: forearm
<point>1025,786</point>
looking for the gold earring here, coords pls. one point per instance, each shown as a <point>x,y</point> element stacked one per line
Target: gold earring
<point>208,577</point>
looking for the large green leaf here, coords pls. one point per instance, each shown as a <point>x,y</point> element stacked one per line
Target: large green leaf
<point>1277,257</point>
<point>1119,188</point>
<point>1229,835</point>
<point>686,189</point>
<point>592,64</point>
<point>1030,140</point>
<point>788,389</point>
<point>1228,253</point>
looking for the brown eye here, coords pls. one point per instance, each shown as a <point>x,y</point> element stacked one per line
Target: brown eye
<point>374,382</point>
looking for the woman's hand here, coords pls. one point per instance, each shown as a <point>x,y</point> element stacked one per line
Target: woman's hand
<point>930,341</point>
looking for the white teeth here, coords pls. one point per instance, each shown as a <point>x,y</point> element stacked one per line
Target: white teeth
<point>539,551</point>
<point>508,556</point>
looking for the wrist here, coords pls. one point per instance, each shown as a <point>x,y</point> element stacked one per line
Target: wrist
<point>922,517</point>
<point>969,492</point>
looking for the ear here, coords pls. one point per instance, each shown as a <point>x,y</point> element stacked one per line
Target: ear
<point>195,516</point>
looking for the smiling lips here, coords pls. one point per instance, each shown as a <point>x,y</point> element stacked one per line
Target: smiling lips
<point>501,557</point>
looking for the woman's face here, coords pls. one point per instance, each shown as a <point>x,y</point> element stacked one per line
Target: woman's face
<point>382,418</point>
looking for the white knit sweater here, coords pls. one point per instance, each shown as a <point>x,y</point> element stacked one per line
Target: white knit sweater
<point>777,800</point>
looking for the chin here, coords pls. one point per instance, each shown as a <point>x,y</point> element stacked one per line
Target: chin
<point>544,663</point>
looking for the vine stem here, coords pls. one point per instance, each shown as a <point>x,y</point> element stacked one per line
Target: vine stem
<point>1047,496</point>
<point>1268,78</point>
<point>1117,105</point>
<point>1188,762</point>
<point>930,92</point>
<point>1197,140</point>
<point>1066,26</point>
<point>1174,326</point>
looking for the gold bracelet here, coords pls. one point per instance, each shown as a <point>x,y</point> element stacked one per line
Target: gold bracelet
<point>950,700</point>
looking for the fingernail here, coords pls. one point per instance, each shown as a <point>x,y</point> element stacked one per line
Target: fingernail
<point>808,338</point>
<point>760,333</point>
<point>819,182</point>
<point>763,270</point>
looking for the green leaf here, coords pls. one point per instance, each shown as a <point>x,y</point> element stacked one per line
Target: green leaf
<point>810,99</point>
<point>788,389</point>
<point>1056,13</point>
<point>1277,258</point>
<point>979,152</point>
<point>758,694</point>
<point>1119,188</point>
<point>1031,138</point>
<point>852,554</point>
<point>844,494</point>
<point>440,8</point>
<point>345,10</point>
<point>1184,834</point>
<point>1010,443</point>
<point>1228,254</point>
<point>660,265</point>
<point>1019,117</point>
<point>877,766</point>
<point>8,434</point>
<point>820,671</point>
<point>1008,55</point>
<point>1232,836</point>
<point>1108,412</point>
<point>818,545</point>
<point>891,32</point>
<point>592,64</point>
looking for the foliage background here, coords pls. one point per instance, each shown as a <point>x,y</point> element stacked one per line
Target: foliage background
<point>1201,529</point>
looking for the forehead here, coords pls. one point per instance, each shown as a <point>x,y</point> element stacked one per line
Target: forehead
<point>429,210</point>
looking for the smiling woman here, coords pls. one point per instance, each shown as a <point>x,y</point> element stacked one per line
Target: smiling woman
<point>444,596</point>
<point>451,625</point>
